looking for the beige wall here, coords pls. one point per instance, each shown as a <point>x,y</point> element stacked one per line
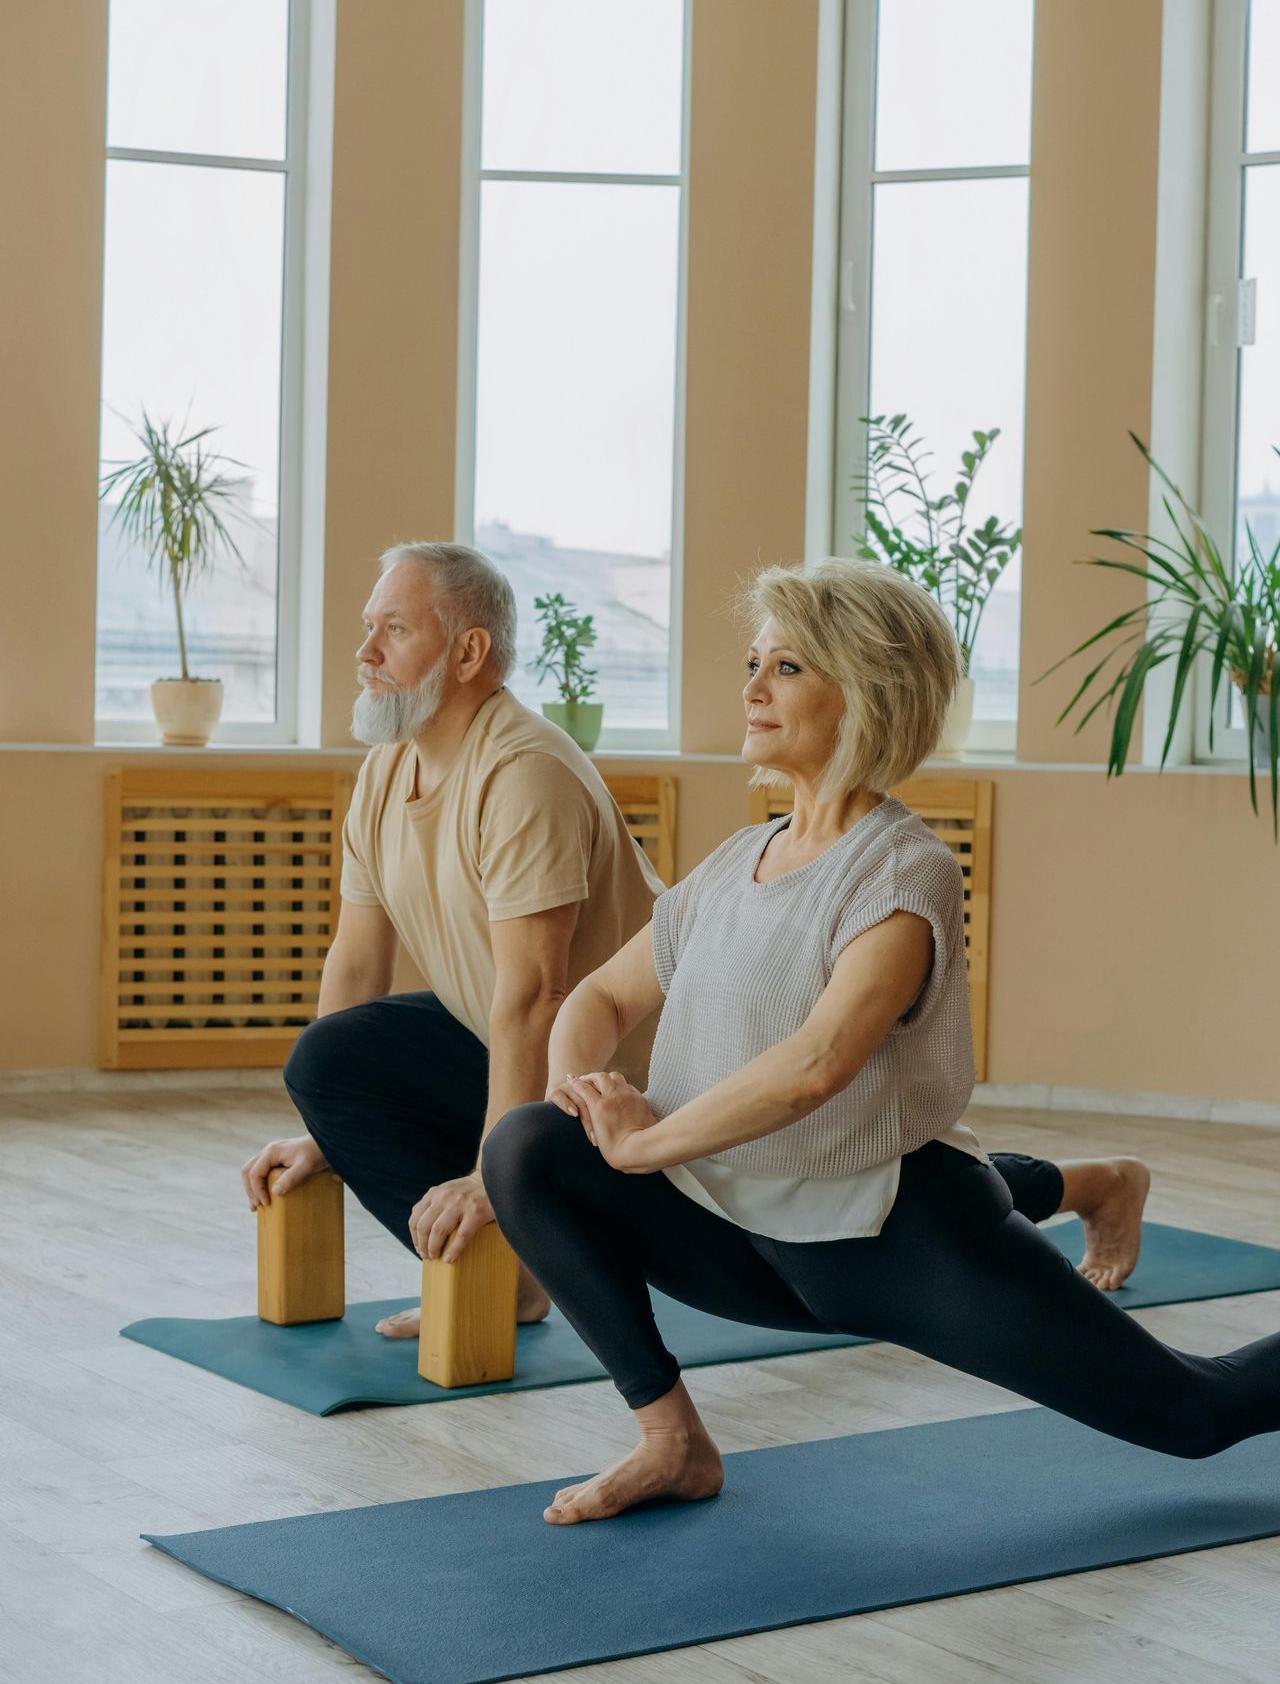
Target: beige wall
<point>1133,921</point>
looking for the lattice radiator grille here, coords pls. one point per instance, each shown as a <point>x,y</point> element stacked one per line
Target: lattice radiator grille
<point>220,900</point>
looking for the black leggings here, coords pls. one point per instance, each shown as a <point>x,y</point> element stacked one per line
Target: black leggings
<point>394,1094</point>
<point>955,1273</point>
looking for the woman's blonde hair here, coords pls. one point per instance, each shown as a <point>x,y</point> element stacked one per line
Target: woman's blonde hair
<point>888,645</point>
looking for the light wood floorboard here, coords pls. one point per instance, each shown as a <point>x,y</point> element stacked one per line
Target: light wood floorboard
<point>112,1209</point>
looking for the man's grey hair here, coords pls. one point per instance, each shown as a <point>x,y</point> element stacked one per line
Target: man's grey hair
<point>471,591</point>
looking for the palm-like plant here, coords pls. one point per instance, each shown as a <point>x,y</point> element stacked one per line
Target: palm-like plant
<point>960,569</point>
<point>171,502</point>
<point>1196,606</point>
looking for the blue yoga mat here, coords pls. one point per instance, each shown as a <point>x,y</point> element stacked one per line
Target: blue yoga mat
<point>477,1587</point>
<point>327,1366</point>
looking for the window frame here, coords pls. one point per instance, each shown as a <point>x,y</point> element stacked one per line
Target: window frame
<point>292,393</point>
<point>613,740</point>
<point>854,304</point>
<point>1228,161</point>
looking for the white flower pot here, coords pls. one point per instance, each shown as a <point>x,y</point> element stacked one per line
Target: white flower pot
<point>955,733</point>
<point>186,709</point>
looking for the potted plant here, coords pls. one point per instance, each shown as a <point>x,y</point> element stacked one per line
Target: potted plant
<point>565,635</point>
<point>1195,607</point>
<point>959,568</point>
<point>171,500</point>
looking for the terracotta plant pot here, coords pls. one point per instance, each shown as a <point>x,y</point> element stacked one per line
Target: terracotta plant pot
<point>955,733</point>
<point>582,720</point>
<point>186,709</point>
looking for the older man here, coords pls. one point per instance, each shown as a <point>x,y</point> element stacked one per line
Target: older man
<point>484,840</point>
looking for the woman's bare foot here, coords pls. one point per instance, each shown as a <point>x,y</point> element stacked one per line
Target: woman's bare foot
<point>1108,1195</point>
<point>675,1458</point>
<point>532,1304</point>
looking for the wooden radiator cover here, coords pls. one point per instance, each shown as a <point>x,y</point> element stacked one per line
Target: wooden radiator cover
<point>220,898</point>
<point>959,811</point>
<point>649,807</point>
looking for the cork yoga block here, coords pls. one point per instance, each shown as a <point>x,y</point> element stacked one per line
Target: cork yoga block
<point>468,1334</point>
<point>301,1273</point>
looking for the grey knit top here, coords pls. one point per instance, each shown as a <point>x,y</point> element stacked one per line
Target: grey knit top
<point>742,965</point>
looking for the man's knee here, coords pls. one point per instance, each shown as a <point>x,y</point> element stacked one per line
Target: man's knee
<point>525,1142</point>
<point>322,1054</point>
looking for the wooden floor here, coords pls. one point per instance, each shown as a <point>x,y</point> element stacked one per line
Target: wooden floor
<point>116,1208</point>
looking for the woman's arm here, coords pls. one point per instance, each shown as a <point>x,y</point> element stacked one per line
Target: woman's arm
<point>603,1009</point>
<point>875,980</point>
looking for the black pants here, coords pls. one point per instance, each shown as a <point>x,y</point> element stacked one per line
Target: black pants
<point>394,1094</point>
<point>955,1273</point>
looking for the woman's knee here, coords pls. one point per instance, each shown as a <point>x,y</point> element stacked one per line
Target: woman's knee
<point>524,1144</point>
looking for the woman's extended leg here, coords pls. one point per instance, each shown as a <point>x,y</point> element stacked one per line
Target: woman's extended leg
<point>958,1275</point>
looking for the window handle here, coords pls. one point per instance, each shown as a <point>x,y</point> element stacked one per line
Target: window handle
<point>1246,312</point>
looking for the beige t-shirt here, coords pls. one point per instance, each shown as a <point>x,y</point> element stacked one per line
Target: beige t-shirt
<point>521,823</point>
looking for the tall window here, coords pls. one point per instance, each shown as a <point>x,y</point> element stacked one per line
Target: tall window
<point>572,324</point>
<point>204,129</point>
<point>1242,362</point>
<point>937,125</point>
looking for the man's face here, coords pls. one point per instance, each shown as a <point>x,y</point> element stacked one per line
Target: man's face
<point>403,663</point>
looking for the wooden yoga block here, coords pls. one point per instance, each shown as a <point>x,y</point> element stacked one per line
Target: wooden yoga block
<point>468,1333</point>
<point>301,1273</point>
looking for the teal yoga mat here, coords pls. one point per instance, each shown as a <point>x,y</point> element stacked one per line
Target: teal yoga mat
<point>477,1587</point>
<point>327,1366</point>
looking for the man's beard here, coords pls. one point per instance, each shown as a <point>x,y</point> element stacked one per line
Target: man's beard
<point>400,713</point>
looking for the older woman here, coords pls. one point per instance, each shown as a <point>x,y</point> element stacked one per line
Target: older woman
<point>798,1160</point>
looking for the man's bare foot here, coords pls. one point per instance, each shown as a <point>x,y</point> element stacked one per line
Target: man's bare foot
<point>532,1304</point>
<point>675,1458</point>
<point>1108,1196</point>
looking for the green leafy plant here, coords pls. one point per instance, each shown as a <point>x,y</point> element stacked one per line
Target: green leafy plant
<point>172,497</point>
<point>1196,606</point>
<point>565,634</point>
<point>924,536</point>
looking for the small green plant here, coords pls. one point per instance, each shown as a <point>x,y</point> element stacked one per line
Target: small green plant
<point>171,500</point>
<point>924,537</point>
<point>565,634</point>
<point>1195,605</point>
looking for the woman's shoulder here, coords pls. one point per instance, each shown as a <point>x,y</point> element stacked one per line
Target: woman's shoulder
<point>905,853</point>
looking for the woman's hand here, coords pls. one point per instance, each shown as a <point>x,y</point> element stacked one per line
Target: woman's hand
<point>614,1114</point>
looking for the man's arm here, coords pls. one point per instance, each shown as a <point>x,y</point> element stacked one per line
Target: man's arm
<point>359,966</point>
<point>531,970</point>
<point>531,967</point>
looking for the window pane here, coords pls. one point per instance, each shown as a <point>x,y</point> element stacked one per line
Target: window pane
<point>953,83</point>
<point>575,420</point>
<point>1263,124</point>
<point>583,85</point>
<point>1258,475</point>
<point>191,330</point>
<point>948,348</point>
<point>199,76</point>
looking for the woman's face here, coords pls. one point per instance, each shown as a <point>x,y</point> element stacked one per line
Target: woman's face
<point>793,713</point>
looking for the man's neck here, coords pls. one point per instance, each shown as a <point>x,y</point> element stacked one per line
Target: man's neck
<point>438,746</point>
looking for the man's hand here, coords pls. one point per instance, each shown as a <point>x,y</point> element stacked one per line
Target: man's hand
<point>300,1158</point>
<point>614,1114</point>
<point>445,1217</point>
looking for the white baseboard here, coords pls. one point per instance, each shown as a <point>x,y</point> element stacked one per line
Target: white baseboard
<point>1023,1096</point>
<point>1044,1096</point>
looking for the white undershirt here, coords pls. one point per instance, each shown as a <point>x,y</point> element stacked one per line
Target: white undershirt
<point>805,1208</point>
